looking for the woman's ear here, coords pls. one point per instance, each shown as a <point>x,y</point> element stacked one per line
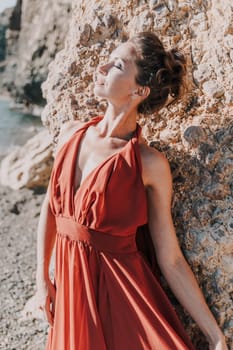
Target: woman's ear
<point>144,91</point>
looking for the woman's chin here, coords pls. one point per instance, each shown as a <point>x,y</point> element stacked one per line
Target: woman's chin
<point>98,93</point>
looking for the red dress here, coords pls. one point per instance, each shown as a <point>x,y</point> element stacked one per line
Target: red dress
<point>107,297</point>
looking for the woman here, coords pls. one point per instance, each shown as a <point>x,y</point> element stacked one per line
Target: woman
<point>105,295</point>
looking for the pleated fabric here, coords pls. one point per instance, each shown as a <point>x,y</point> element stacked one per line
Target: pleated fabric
<point>108,295</point>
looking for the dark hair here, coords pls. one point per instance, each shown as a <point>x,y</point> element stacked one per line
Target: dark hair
<point>162,71</point>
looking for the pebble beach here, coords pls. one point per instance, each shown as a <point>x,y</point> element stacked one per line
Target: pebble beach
<point>19,217</point>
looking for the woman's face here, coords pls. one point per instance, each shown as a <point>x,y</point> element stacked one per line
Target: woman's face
<point>115,80</point>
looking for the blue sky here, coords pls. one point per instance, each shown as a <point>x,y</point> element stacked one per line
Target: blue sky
<point>6,3</point>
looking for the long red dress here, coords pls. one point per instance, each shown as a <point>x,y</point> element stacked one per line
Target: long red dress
<point>107,296</point>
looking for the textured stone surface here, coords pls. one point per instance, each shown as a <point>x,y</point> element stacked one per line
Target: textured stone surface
<point>29,165</point>
<point>196,134</point>
<point>4,24</point>
<point>36,33</point>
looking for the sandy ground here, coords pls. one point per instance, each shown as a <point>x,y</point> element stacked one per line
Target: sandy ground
<point>19,215</point>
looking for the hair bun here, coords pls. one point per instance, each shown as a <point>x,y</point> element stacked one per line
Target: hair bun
<point>176,64</point>
<point>162,71</point>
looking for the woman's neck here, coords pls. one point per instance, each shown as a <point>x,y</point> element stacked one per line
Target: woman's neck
<point>118,123</point>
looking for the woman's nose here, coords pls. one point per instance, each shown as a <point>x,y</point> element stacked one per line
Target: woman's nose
<point>103,68</point>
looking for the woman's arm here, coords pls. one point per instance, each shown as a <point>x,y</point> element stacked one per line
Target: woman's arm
<point>170,258</point>
<point>46,233</point>
<point>47,225</point>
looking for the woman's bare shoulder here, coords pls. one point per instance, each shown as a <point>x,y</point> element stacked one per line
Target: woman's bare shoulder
<point>150,154</point>
<point>69,126</point>
<point>66,131</point>
<point>154,164</point>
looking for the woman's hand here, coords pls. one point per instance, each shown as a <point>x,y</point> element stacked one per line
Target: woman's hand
<point>45,299</point>
<point>42,304</point>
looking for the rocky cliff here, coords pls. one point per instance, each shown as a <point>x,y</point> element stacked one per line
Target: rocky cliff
<point>196,135</point>
<point>36,33</point>
<point>4,24</point>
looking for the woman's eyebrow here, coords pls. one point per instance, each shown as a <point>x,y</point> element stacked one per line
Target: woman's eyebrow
<point>120,58</point>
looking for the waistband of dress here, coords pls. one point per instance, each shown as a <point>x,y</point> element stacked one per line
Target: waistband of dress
<point>99,240</point>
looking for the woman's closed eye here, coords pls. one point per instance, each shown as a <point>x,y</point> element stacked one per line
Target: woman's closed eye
<point>118,66</point>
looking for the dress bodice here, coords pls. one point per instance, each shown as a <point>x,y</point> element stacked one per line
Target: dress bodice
<point>111,198</point>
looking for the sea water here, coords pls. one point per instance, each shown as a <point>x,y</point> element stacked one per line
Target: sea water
<point>15,127</point>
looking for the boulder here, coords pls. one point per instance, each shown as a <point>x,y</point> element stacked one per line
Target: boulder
<point>29,165</point>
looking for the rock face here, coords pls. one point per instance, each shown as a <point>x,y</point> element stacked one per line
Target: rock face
<point>196,134</point>
<point>36,33</point>
<point>4,24</point>
<point>29,165</point>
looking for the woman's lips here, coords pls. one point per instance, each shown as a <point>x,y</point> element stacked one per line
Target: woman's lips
<point>97,80</point>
